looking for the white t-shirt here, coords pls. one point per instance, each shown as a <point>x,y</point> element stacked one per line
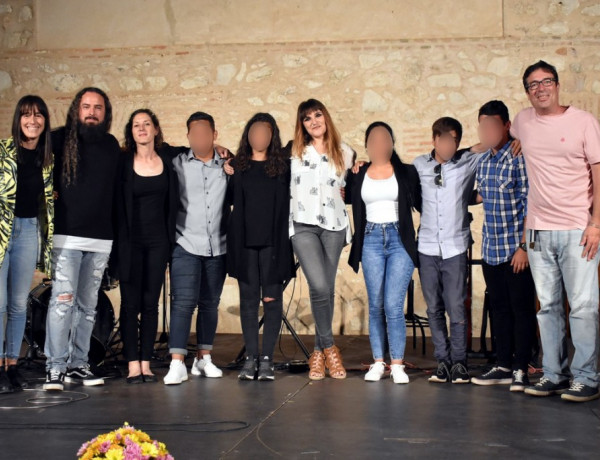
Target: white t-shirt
<point>381,199</point>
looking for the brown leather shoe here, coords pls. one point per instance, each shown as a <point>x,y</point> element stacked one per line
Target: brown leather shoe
<point>333,361</point>
<point>316,366</point>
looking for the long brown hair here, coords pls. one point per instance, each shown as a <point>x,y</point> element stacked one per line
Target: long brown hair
<point>332,139</point>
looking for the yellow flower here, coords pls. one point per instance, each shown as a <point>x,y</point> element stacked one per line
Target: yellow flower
<point>149,449</point>
<point>114,454</point>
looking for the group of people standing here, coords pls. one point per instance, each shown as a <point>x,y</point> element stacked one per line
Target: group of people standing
<point>74,197</point>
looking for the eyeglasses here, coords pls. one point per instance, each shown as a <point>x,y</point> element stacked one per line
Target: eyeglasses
<point>438,180</point>
<point>535,84</point>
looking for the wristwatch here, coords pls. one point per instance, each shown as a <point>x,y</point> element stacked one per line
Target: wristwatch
<point>523,246</point>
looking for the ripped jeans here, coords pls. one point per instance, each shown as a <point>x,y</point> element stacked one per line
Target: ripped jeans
<point>72,309</point>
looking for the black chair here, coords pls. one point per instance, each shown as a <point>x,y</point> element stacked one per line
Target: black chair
<point>413,319</point>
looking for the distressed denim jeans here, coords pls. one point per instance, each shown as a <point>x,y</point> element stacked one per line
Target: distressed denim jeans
<point>72,308</point>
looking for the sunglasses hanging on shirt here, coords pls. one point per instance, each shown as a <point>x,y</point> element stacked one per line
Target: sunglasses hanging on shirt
<point>438,180</point>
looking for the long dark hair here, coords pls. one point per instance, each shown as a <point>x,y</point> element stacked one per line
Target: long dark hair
<point>26,105</point>
<point>130,145</point>
<point>276,159</point>
<point>71,147</point>
<point>395,158</point>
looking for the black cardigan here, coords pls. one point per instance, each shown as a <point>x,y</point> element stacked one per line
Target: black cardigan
<point>409,196</point>
<point>124,206</point>
<point>237,264</point>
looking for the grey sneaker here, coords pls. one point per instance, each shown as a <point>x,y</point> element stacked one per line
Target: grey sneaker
<point>249,369</point>
<point>266,369</point>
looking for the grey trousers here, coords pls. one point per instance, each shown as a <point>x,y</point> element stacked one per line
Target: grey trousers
<point>318,251</point>
<point>444,285</point>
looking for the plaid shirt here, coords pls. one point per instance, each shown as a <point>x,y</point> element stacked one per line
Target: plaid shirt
<point>502,182</point>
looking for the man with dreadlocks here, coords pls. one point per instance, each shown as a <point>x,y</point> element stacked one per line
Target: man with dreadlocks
<point>84,179</point>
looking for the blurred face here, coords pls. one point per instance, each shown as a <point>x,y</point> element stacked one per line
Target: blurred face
<point>143,129</point>
<point>315,125</point>
<point>201,137</point>
<point>92,109</point>
<point>32,124</point>
<point>543,95</point>
<point>379,145</point>
<point>259,136</point>
<point>445,145</point>
<point>492,131</point>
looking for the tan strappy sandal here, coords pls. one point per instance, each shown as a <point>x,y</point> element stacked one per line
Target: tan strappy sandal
<point>333,361</point>
<point>316,366</point>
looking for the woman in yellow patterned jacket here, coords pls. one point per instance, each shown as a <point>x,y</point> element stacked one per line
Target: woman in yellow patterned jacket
<point>26,225</point>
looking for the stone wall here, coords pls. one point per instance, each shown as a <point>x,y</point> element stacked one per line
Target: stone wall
<point>406,62</point>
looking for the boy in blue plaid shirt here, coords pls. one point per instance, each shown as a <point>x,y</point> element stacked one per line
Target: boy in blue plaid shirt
<point>502,188</point>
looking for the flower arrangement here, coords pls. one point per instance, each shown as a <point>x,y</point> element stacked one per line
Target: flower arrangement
<point>126,443</point>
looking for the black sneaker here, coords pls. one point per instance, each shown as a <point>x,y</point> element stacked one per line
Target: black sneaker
<point>520,380</point>
<point>495,376</point>
<point>442,373</point>
<point>459,373</point>
<point>5,385</point>
<point>546,388</point>
<point>579,392</point>
<point>266,369</point>
<point>84,376</point>
<point>54,380</point>
<point>249,369</point>
<point>15,377</point>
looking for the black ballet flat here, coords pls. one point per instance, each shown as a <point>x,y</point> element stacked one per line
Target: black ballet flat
<point>149,378</point>
<point>135,380</point>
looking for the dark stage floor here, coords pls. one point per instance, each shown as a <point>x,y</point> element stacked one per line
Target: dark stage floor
<point>294,418</point>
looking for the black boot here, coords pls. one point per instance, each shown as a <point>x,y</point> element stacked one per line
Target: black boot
<point>5,385</point>
<point>15,377</point>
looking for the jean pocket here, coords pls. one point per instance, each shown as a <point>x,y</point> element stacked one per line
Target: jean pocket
<point>369,228</point>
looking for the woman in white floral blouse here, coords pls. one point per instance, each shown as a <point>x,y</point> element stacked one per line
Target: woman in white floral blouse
<point>319,225</point>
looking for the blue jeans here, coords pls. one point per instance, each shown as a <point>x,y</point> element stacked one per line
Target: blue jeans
<point>195,281</point>
<point>16,276</point>
<point>387,269</point>
<point>72,308</point>
<point>556,258</point>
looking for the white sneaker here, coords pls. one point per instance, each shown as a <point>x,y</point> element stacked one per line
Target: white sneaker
<point>397,373</point>
<point>177,373</point>
<point>376,371</point>
<point>206,368</point>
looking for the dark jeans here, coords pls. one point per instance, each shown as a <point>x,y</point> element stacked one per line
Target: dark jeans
<point>318,251</point>
<point>251,292</point>
<point>512,311</point>
<point>139,297</point>
<point>444,285</point>
<point>195,281</point>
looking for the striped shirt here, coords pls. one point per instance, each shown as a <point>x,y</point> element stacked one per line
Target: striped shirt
<point>502,183</point>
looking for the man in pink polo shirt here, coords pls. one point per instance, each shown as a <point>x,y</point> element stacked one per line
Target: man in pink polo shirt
<point>561,145</point>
